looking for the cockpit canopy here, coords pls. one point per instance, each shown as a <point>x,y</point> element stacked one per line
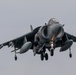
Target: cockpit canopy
<point>53,21</point>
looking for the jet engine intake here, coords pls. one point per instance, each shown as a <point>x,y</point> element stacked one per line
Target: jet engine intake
<point>43,32</point>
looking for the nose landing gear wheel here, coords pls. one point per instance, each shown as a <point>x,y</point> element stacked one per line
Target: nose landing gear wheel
<point>52,52</point>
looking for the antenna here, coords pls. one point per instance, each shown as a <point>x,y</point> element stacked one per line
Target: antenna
<point>31,27</point>
<point>63,25</point>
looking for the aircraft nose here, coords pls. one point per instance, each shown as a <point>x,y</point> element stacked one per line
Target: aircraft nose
<point>54,29</point>
<point>58,28</point>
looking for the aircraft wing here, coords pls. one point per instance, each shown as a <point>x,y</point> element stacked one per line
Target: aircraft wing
<point>18,42</point>
<point>71,37</point>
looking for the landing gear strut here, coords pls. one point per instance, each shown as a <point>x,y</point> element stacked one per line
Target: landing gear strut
<point>52,49</point>
<point>15,56</point>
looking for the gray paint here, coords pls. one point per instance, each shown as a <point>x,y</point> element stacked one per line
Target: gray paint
<point>15,19</point>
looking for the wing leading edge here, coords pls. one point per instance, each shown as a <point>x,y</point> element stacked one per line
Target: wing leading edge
<point>18,42</point>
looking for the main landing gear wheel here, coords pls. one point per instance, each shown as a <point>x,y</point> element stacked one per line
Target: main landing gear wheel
<point>42,57</point>
<point>46,56</point>
<point>51,52</point>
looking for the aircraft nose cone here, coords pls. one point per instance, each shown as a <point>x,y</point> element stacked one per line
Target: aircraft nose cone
<point>54,29</point>
<point>58,28</point>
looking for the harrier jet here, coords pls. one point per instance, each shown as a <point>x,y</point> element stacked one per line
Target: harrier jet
<point>42,39</point>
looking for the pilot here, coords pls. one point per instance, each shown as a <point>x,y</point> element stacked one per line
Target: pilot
<point>53,21</point>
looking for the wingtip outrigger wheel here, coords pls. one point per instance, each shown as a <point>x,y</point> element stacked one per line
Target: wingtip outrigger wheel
<point>52,52</point>
<point>70,54</point>
<point>15,58</point>
<point>15,55</point>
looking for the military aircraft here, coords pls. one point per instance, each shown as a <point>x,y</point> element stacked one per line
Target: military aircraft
<point>43,38</point>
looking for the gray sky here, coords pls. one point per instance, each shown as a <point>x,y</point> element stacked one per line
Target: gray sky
<point>15,19</point>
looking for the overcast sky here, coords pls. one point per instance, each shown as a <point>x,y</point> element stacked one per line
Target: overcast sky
<point>15,19</point>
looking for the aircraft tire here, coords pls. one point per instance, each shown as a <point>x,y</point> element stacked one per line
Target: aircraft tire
<point>46,56</point>
<point>70,55</point>
<point>42,57</point>
<point>52,52</point>
<point>15,58</point>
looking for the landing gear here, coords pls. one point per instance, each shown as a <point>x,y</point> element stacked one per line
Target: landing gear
<point>70,54</point>
<point>52,48</point>
<point>15,58</point>
<point>44,55</point>
<point>52,52</point>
